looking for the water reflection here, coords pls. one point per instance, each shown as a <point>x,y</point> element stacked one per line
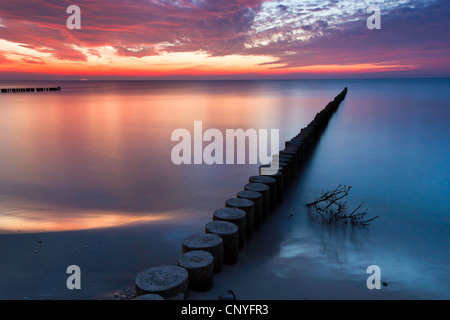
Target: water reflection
<point>27,217</point>
<point>328,245</point>
<point>337,241</point>
<point>104,147</point>
<point>393,148</point>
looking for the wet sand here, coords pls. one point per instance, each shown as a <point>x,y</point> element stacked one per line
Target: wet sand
<point>288,258</point>
<point>33,266</point>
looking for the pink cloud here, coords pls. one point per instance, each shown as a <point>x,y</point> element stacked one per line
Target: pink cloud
<point>411,36</point>
<point>33,61</point>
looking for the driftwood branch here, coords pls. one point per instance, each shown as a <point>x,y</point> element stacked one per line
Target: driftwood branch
<point>332,210</point>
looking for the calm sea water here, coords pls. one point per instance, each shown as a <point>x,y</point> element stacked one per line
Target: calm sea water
<point>97,154</point>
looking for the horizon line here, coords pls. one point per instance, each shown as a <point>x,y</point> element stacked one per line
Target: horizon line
<point>252,79</point>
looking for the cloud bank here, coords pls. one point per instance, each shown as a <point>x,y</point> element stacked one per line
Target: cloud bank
<point>193,36</point>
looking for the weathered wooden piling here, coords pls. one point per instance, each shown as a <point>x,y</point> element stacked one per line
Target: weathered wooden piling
<point>208,242</point>
<point>166,281</point>
<point>271,183</point>
<point>229,232</point>
<point>283,169</point>
<point>300,145</point>
<point>257,199</point>
<point>249,207</point>
<point>278,176</point>
<point>200,267</point>
<point>293,154</point>
<point>289,159</point>
<point>265,192</point>
<point>236,216</point>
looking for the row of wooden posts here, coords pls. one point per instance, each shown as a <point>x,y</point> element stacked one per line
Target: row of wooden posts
<point>19,90</point>
<point>203,255</point>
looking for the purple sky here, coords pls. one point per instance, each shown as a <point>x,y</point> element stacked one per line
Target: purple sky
<point>196,39</point>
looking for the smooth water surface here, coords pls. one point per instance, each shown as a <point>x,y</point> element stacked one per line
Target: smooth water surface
<point>98,154</point>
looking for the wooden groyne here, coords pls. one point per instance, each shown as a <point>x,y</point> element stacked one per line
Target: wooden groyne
<point>203,254</point>
<point>20,90</point>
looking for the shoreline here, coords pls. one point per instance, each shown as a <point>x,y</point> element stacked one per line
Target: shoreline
<point>285,260</point>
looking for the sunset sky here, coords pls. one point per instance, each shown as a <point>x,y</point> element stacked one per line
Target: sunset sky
<point>223,39</point>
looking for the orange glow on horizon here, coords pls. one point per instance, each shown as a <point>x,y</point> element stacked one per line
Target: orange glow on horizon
<point>181,63</point>
<point>57,221</point>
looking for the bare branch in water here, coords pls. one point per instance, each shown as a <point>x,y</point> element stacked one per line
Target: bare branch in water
<point>332,210</point>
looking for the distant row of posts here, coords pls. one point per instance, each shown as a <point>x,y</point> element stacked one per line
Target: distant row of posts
<point>20,90</point>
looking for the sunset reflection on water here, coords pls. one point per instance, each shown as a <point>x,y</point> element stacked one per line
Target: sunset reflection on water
<point>34,218</point>
<point>98,154</point>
